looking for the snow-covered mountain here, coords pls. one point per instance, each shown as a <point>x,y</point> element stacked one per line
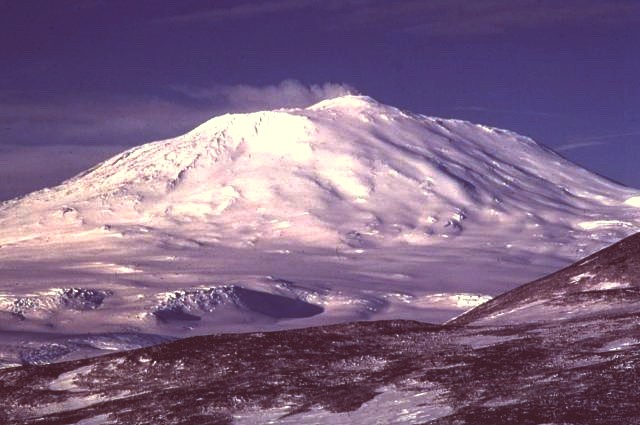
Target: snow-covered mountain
<point>345,172</point>
<point>347,209</point>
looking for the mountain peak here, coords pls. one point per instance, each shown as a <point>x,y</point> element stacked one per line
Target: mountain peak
<point>356,101</point>
<point>394,178</point>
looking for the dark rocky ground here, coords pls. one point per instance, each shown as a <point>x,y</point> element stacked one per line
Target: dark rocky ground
<point>578,366</point>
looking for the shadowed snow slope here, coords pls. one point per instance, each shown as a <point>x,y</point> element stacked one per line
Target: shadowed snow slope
<point>356,208</point>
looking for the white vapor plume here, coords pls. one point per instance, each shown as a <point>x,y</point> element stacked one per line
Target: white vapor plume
<point>594,141</point>
<point>287,94</point>
<point>579,145</point>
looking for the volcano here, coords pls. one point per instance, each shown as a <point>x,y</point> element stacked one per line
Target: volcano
<point>346,210</point>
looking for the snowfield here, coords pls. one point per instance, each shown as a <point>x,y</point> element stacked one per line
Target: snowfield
<point>346,210</point>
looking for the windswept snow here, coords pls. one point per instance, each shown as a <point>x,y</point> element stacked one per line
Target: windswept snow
<point>595,224</point>
<point>389,407</point>
<point>349,201</point>
<point>68,380</point>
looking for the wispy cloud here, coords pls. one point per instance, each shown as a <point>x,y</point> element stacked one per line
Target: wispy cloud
<point>578,145</point>
<point>502,111</point>
<point>610,136</point>
<point>246,98</point>
<point>586,142</point>
<point>432,17</point>
<point>462,17</point>
<point>239,11</point>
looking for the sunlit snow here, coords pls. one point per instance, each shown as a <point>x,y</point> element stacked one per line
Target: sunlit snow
<point>345,210</point>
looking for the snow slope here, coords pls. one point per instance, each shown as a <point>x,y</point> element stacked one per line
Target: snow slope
<point>345,210</point>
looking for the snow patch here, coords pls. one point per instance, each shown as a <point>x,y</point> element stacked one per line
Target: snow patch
<point>619,344</point>
<point>68,380</point>
<point>633,201</point>
<point>95,420</point>
<point>581,277</point>
<point>75,403</point>
<point>458,301</point>
<point>392,406</point>
<point>596,224</point>
<point>606,285</point>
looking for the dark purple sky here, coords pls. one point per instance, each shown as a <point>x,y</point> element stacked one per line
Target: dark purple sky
<point>81,80</point>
